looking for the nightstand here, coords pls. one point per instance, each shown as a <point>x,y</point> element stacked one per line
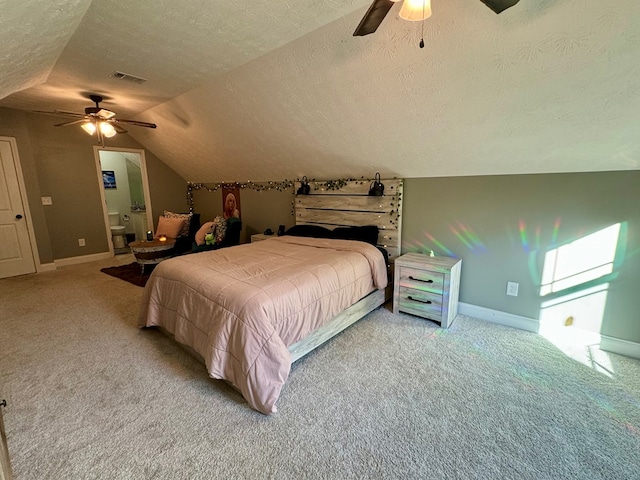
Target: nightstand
<point>427,287</point>
<point>257,237</point>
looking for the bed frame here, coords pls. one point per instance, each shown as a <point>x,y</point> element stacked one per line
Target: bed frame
<point>347,204</point>
<point>350,205</point>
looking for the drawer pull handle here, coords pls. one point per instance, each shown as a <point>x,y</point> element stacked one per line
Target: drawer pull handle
<point>419,279</point>
<point>428,302</point>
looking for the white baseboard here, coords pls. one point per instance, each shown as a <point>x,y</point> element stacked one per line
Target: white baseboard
<point>608,344</point>
<point>45,267</point>
<point>621,347</point>
<point>82,259</point>
<point>501,318</point>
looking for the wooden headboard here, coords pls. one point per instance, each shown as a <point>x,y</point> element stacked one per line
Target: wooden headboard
<point>350,205</point>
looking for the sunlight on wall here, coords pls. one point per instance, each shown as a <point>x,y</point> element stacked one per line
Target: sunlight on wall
<point>578,262</point>
<point>572,323</point>
<point>583,309</point>
<point>575,280</point>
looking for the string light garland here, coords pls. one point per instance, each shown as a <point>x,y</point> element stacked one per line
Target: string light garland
<point>257,186</point>
<point>278,186</point>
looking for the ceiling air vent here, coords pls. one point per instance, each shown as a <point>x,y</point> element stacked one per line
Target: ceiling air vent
<point>128,78</point>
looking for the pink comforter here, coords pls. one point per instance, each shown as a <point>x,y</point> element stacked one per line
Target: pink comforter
<point>241,307</point>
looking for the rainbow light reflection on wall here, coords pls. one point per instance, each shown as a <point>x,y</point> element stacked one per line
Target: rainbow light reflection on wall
<point>468,238</point>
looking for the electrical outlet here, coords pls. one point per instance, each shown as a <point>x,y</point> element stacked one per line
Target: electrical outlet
<point>47,201</point>
<point>512,289</point>
<point>81,242</point>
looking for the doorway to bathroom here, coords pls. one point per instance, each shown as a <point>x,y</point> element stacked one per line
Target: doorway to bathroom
<point>124,188</point>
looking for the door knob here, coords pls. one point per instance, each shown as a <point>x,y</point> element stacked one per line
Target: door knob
<point>18,217</point>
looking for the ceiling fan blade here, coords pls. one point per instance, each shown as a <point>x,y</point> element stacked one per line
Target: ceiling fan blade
<point>96,115</point>
<point>499,6</point>
<point>374,17</point>
<point>72,122</point>
<point>135,122</point>
<point>61,113</point>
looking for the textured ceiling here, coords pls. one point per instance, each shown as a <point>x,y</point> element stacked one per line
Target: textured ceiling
<point>273,90</point>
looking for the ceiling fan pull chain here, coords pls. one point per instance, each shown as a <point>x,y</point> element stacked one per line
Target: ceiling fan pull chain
<point>422,26</point>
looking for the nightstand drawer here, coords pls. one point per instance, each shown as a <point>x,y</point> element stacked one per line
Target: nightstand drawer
<point>423,280</point>
<point>424,304</point>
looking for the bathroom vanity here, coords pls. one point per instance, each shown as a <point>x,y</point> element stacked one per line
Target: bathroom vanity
<point>139,224</point>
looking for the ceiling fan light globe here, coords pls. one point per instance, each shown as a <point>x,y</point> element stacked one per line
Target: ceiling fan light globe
<point>415,10</point>
<point>89,127</point>
<point>107,129</point>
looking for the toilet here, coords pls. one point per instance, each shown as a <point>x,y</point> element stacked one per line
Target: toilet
<point>117,231</point>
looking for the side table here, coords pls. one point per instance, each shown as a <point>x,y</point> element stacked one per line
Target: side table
<point>427,287</point>
<point>152,252</point>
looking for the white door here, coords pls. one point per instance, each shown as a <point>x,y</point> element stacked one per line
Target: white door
<point>16,255</point>
<point>117,158</point>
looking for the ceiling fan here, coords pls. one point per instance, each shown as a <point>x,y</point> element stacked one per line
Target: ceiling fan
<point>97,120</point>
<point>411,10</point>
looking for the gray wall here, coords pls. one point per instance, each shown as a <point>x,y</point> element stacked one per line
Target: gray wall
<point>259,209</point>
<point>60,163</point>
<point>13,123</point>
<point>503,226</point>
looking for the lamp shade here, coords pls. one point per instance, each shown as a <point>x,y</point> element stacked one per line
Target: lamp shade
<point>415,10</point>
<point>107,129</point>
<point>89,127</point>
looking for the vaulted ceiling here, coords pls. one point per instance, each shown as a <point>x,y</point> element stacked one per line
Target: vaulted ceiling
<point>266,90</point>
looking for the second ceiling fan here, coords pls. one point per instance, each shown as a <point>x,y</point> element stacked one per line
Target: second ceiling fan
<point>98,120</point>
<point>411,10</point>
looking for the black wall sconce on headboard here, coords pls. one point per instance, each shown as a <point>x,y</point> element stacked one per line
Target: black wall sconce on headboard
<point>376,189</point>
<point>304,187</point>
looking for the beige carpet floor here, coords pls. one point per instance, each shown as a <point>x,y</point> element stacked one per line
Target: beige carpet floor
<point>90,396</point>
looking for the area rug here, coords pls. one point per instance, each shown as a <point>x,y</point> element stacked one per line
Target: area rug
<point>131,273</point>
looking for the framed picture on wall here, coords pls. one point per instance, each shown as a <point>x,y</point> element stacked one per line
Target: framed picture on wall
<point>109,178</point>
<point>231,201</point>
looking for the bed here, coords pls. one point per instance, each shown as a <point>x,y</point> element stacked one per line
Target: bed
<point>251,310</point>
